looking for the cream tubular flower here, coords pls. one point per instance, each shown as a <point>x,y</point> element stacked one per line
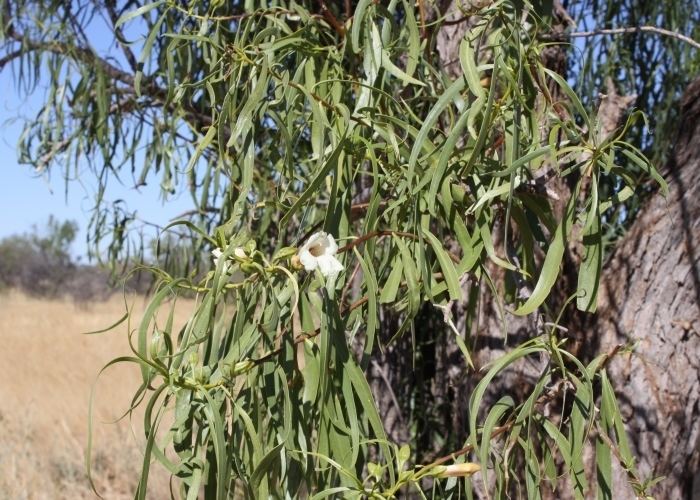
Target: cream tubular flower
<point>319,253</point>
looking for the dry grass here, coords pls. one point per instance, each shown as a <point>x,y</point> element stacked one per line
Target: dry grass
<point>47,367</point>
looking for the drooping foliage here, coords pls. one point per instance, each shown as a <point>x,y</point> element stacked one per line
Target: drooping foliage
<point>649,67</point>
<point>284,119</point>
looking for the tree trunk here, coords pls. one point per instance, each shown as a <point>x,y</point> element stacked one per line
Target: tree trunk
<point>650,298</point>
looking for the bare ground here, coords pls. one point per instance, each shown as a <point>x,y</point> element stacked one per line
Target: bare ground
<point>47,368</point>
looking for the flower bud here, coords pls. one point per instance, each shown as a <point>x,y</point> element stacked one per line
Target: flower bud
<point>250,247</point>
<point>284,253</point>
<point>155,348</point>
<point>242,367</point>
<point>240,255</point>
<point>248,268</point>
<point>458,470</point>
<point>296,263</point>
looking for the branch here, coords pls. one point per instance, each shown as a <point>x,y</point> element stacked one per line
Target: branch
<point>119,34</point>
<point>331,19</point>
<point>80,54</point>
<point>374,234</point>
<point>625,31</point>
<point>90,58</point>
<point>9,57</point>
<point>497,431</point>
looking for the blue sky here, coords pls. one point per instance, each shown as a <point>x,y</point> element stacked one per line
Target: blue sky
<point>28,199</point>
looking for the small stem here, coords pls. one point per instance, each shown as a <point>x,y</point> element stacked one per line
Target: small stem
<point>374,234</point>
<point>463,451</point>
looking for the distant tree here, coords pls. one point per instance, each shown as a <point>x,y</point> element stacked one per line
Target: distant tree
<point>39,262</point>
<point>55,241</point>
<point>410,208</point>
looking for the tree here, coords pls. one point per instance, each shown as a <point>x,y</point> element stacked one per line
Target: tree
<point>39,262</point>
<point>442,146</point>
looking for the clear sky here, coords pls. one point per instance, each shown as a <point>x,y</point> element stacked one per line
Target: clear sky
<point>27,199</point>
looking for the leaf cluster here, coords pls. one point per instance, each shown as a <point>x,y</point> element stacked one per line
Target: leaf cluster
<point>284,120</point>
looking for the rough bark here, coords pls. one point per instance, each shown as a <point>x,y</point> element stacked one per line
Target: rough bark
<point>650,297</point>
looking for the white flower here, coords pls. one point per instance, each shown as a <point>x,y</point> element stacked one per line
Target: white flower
<point>238,253</point>
<point>216,253</point>
<point>319,253</point>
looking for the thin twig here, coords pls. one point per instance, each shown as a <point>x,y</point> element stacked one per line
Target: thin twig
<point>119,35</point>
<point>349,283</point>
<point>497,431</point>
<point>374,234</point>
<point>9,57</point>
<point>392,395</point>
<point>625,31</point>
<point>611,354</point>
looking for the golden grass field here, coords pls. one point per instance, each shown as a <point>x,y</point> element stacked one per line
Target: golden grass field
<point>47,367</point>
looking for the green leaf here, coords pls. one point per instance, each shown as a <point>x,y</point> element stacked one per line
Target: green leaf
<point>429,123</point>
<point>591,268</point>
<point>552,261</point>
<point>264,467</point>
<point>144,9</point>
<point>503,405</point>
<point>437,175</point>
<point>638,159</point>
<point>613,412</point>
<point>357,23</point>
<point>578,434</point>
<point>216,427</point>
<point>315,183</point>
<point>498,366</point>
<point>468,62</point>
<point>371,286</point>
<point>448,268</point>
<point>146,51</point>
<point>391,285</point>
<point>411,274</point>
